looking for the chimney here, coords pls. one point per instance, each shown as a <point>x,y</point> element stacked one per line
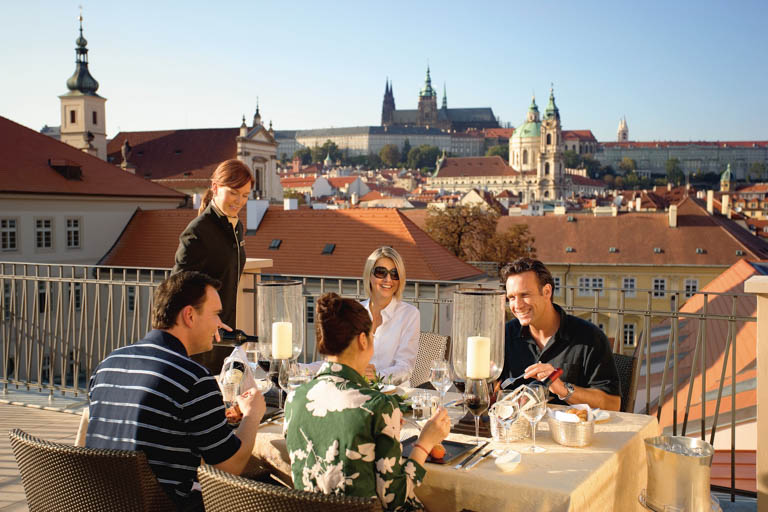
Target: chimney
<point>290,204</point>
<point>638,201</point>
<point>196,200</point>
<point>710,202</point>
<point>673,216</point>
<point>669,186</point>
<point>726,205</point>
<point>354,199</point>
<point>255,210</point>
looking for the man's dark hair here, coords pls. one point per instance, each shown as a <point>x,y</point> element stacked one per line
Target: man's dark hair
<point>521,265</point>
<point>182,289</point>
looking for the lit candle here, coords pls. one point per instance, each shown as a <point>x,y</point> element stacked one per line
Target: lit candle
<point>282,335</point>
<point>478,357</point>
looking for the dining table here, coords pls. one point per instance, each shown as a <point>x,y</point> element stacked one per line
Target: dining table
<point>607,475</point>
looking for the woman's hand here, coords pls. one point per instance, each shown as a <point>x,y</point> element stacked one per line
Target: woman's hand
<point>435,430</point>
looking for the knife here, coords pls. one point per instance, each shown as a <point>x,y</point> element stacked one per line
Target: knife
<point>478,460</point>
<point>471,456</point>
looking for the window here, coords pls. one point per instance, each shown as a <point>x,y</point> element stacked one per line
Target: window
<point>328,249</point>
<point>8,234</point>
<point>659,287</point>
<point>72,116</point>
<point>6,300</point>
<point>691,287</point>
<point>546,168</point>
<point>41,297</point>
<point>275,244</point>
<point>95,118</point>
<point>556,291</point>
<point>549,139</point>
<point>131,298</point>
<point>589,285</point>
<point>310,310</point>
<point>77,296</point>
<point>73,233</point>
<point>629,285</point>
<point>44,233</point>
<point>525,156</point>
<point>629,334</point>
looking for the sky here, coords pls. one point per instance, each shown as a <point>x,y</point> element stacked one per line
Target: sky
<point>682,70</point>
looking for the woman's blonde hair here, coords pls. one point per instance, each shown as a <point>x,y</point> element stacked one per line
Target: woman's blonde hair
<point>384,252</point>
<point>230,173</point>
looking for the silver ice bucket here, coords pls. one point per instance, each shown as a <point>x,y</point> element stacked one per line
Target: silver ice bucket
<point>678,474</point>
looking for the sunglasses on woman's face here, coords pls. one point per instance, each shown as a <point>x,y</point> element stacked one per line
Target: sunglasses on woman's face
<point>381,273</point>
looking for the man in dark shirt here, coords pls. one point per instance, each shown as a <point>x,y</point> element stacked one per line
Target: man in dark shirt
<point>151,396</point>
<point>543,337</point>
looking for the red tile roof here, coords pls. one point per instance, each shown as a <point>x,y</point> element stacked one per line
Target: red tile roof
<point>24,168</point>
<point>583,180</point>
<point>151,237</point>
<point>163,153</point>
<point>667,144</point>
<point>341,181</point>
<point>456,167</point>
<point>370,196</point>
<point>636,235</point>
<point>580,135</point>
<point>297,182</point>
<point>498,133</point>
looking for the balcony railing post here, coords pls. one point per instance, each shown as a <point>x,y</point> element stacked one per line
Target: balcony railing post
<point>759,286</point>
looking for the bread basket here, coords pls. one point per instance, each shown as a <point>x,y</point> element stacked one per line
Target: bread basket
<point>568,433</point>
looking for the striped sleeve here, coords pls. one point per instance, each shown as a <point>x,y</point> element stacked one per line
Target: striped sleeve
<point>210,436</point>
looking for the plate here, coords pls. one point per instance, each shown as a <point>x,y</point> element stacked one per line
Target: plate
<point>453,449</point>
<point>388,389</point>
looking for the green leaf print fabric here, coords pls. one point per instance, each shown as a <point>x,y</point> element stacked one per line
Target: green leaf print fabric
<point>343,437</point>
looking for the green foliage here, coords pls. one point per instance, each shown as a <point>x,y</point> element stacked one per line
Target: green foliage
<point>423,156</point>
<point>501,150</point>
<point>305,155</point>
<point>406,149</point>
<point>627,165</point>
<point>571,159</point>
<point>390,155</point>
<point>328,148</point>
<point>674,172</point>
<point>757,171</point>
<point>295,194</point>
<point>470,233</point>
<point>374,161</point>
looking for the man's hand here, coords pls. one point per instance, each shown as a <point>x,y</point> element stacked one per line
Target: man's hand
<point>216,334</point>
<point>541,371</point>
<point>370,372</point>
<point>252,404</point>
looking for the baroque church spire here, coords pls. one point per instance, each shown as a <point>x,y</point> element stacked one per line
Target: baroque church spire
<point>81,81</point>
<point>552,110</point>
<point>445,98</point>
<point>428,91</point>
<point>257,115</point>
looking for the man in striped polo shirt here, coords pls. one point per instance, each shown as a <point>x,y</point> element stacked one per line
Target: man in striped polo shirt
<point>151,396</point>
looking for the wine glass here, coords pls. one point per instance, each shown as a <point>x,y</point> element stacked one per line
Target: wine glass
<point>533,404</point>
<point>291,375</point>
<point>261,378</point>
<point>440,377</point>
<point>476,398</point>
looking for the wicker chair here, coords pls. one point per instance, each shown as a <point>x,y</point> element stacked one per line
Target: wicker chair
<point>224,492</point>
<point>64,477</point>
<point>431,346</point>
<point>628,380</point>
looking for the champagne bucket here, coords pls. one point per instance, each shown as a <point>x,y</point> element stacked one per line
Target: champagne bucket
<point>568,433</point>
<point>678,473</point>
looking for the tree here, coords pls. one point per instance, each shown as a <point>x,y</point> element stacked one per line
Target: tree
<point>304,154</point>
<point>608,179</point>
<point>406,150</point>
<point>374,162</point>
<point>618,182</point>
<point>632,180</point>
<point>390,155</point>
<point>571,159</point>
<point>328,148</point>
<point>757,170</point>
<point>501,150</point>
<point>674,172</point>
<point>469,232</point>
<point>627,165</point>
<point>593,166</point>
<point>423,156</point>
<point>295,194</point>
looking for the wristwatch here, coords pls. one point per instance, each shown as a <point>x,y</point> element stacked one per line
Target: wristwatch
<point>570,389</point>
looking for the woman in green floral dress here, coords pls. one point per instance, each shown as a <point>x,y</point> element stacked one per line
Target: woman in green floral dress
<point>343,436</point>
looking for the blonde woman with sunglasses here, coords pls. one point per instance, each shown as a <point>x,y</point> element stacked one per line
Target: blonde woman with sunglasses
<point>396,324</point>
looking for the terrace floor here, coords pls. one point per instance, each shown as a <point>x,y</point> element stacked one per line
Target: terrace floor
<point>57,419</point>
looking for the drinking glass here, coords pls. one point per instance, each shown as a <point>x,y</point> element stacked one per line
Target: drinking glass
<point>261,378</point>
<point>291,375</point>
<point>533,404</point>
<point>476,399</point>
<point>440,377</point>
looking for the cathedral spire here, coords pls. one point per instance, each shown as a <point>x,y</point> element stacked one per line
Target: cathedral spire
<point>257,115</point>
<point>552,110</point>
<point>81,81</point>
<point>445,98</point>
<point>428,91</point>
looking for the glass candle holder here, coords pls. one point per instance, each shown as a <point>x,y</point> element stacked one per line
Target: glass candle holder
<point>280,319</point>
<point>477,345</point>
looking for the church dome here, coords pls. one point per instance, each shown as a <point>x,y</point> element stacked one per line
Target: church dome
<point>527,130</point>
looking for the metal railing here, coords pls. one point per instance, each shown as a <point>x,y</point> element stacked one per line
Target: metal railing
<point>58,321</point>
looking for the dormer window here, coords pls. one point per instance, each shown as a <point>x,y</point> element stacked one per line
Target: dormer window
<point>570,249</point>
<point>328,249</point>
<point>613,249</point>
<point>658,250</point>
<point>275,244</point>
<point>700,250</point>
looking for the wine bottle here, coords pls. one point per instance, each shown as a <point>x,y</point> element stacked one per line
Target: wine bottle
<point>237,337</point>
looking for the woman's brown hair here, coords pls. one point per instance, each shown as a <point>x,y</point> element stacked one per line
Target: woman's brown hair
<point>337,322</point>
<point>230,173</point>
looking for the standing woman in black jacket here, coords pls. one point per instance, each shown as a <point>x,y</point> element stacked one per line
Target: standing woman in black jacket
<point>214,243</point>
